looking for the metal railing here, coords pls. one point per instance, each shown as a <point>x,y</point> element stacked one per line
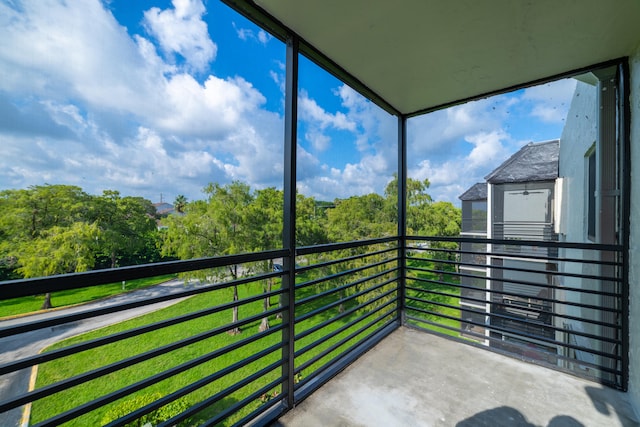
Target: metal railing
<point>553,303</point>
<point>213,350</point>
<point>189,362</point>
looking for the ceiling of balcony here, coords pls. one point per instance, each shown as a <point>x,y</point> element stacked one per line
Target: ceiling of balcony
<point>418,54</point>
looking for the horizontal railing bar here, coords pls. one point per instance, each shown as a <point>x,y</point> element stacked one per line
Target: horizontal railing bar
<point>352,310</point>
<point>341,329</point>
<point>324,367</point>
<point>499,341</point>
<point>529,309</point>
<point>125,363</point>
<point>341,342</point>
<point>520,334</point>
<point>323,294</point>
<point>523,321</point>
<point>484,302</point>
<point>526,255</point>
<point>344,273</point>
<point>304,268</point>
<point>523,270</point>
<point>200,406</point>
<point>196,385</point>
<point>502,292</point>
<point>236,406</point>
<point>263,409</point>
<point>330,247</point>
<point>540,243</point>
<point>67,318</point>
<point>321,376</point>
<point>557,259</point>
<point>520,282</point>
<point>97,403</point>
<point>77,348</point>
<point>329,306</point>
<point>40,285</point>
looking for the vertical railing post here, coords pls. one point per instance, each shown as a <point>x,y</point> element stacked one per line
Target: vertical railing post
<point>624,134</point>
<point>607,197</point>
<point>289,228</point>
<point>402,215</point>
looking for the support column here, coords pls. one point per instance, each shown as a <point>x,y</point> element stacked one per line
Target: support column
<point>289,221</point>
<point>607,199</point>
<point>402,216</point>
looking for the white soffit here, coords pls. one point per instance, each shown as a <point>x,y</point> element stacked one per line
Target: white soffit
<point>417,54</point>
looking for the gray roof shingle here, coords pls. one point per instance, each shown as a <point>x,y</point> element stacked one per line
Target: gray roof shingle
<point>533,162</point>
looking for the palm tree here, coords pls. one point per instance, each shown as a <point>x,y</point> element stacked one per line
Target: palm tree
<point>180,203</point>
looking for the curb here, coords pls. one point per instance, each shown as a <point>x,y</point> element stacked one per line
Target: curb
<point>26,412</point>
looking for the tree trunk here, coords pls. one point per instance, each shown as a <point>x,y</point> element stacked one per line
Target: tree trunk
<point>280,304</point>
<point>264,325</point>
<point>46,304</point>
<point>235,330</point>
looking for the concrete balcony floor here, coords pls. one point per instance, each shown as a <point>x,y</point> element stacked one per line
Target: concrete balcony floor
<point>413,378</point>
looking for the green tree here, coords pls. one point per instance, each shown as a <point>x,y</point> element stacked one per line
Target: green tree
<point>180,203</point>
<point>357,218</point>
<point>24,214</point>
<point>33,219</point>
<point>59,250</point>
<point>444,220</point>
<point>212,227</point>
<point>311,221</point>
<point>127,224</point>
<point>264,220</point>
<point>417,200</point>
<point>27,213</point>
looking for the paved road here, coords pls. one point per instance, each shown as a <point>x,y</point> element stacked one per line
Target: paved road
<point>31,343</point>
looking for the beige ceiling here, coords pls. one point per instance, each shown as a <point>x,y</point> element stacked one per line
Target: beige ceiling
<point>417,54</point>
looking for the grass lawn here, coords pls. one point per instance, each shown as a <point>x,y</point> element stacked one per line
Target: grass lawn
<point>24,305</point>
<point>453,301</point>
<point>60,369</point>
<point>70,366</point>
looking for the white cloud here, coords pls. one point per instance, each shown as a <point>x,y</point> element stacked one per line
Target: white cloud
<point>264,37</point>
<point>457,147</point>
<point>551,101</point>
<point>488,150</point>
<point>246,34</point>
<point>211,109</point>
<point>310,111</point>
<point>182,31</point>
<point>371,130</point>
<point>121,116</point>
<point>130,115</point>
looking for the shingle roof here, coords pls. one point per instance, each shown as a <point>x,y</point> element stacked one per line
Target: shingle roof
<point>533,162</point>
<point>477,192</point>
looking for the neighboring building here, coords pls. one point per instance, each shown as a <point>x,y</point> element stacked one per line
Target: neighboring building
<point>164,208</point>
<point>590,212</point>
<point>521,193</point>
<point>473,268</point>
<point>517,203</point>
<point>566,191</point>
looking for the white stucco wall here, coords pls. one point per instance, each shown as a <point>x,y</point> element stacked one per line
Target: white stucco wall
<point>578,137</point>
<point>579,133</point>
<point>634,238</point>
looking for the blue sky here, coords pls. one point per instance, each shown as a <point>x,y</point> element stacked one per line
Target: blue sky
<point>163,97</point>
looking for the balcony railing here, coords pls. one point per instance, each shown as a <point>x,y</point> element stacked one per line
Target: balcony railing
<point>192,363</point>
<point>554,303</point>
